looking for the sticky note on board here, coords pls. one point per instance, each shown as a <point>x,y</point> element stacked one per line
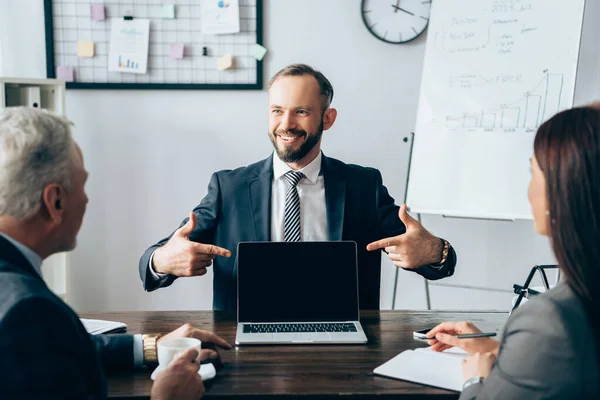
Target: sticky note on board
<point>97,12</point>
<point>224,62</point>
<point>64,73</point>
<point>168,11</point>
<point>259,51</point>
<point>85,48</point>
<point>176,51</point>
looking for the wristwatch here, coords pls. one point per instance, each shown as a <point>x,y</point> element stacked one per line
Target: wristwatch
<point>149,345</point>
<point>472,381</point>
<point>444,255</point>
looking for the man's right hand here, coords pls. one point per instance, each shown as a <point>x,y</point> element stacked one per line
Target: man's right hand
<point>182,257</point>
<point>442,338</point>
<point>180,380</point>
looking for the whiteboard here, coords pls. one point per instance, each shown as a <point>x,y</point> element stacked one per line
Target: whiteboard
<point>494,70</point>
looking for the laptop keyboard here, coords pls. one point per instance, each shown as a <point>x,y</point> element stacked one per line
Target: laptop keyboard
<point>299,328</point>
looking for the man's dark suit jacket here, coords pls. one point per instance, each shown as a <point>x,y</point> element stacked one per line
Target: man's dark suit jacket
<point>45,352</point>
<point>238,208</point>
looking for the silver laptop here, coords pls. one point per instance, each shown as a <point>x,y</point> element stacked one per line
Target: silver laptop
<point>298,293</point>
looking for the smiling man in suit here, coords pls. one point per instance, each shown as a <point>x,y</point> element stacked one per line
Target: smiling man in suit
<point>45,351</point>
<point>296,194</point>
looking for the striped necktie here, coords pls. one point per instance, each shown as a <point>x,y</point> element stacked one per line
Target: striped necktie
<point>291,215</point>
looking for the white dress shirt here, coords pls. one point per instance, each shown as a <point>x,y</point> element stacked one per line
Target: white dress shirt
<point>36,262</point>
<point>311,190</point>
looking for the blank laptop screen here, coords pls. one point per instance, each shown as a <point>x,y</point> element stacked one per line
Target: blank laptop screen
<point>297,282</point>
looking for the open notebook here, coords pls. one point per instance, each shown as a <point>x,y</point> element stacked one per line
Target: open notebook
<point>424,366</point>
<point>98,326</point>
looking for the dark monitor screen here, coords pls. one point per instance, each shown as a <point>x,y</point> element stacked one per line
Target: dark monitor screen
<point>297,282</point>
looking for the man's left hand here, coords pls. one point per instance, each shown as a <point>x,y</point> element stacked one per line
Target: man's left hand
<point>413,249</point>
<point>208,339</point>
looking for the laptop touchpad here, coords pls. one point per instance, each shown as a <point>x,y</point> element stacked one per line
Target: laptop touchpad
<point>304,337</point>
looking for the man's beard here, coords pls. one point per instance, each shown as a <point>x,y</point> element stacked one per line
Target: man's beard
<point>289,155</point>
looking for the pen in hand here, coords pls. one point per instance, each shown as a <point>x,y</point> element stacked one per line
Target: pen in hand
<point>474,335</point>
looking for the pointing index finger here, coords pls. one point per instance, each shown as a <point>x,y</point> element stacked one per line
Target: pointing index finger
<point>379,244</point>
<point>211,249</point>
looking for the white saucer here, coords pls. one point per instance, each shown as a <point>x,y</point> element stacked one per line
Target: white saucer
<point>206,372</point>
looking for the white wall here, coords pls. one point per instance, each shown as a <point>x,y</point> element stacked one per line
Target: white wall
<point>150,155</point>
<point>22,45</point>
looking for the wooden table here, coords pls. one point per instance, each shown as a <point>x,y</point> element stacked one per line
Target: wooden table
<point>300,371</point>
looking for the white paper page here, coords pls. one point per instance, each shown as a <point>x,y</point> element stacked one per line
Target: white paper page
<point>97,326</point>
<point>129,45</point>
<point>427,368</point>
<point>220,16</point>
<point>452,352</point>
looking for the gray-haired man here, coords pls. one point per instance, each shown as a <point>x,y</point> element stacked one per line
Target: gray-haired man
<point>45,350</point>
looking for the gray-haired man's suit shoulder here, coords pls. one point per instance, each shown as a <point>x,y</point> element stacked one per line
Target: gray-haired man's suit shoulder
<point>548,351</point>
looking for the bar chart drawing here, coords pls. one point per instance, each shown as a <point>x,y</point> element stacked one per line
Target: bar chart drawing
<point>554,87</point>
<point>494,73</point>
<point>488,120</point>
<point>532,111</point>
<point>529,111</point>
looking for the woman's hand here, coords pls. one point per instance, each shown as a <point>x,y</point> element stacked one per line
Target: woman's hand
<point>442,338</point>
<point>478,365</point>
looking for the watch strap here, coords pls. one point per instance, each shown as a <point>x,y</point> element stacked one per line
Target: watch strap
<point>150,351</point>
<point>444,255</point>
<point>472,381</point>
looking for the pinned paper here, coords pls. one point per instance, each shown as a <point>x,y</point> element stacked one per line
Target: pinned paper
<point>168,11</point>
<point>64,73</point>
<point>220,17</point>
<point>176,52</point>
<point>259,51</point>
<point>97,12</point>
<point>85,48</point>
<point>129,45</point>
<point>224,62</point>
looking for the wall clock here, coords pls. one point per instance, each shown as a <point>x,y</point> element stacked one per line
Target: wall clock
<point>396,21</point>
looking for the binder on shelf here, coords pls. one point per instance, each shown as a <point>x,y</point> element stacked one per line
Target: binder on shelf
<point>30,97</point>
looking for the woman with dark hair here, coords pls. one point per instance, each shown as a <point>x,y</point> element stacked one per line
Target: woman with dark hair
<point>551,345</point>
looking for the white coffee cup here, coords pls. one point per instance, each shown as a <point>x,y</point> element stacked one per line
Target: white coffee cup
<point>168,349</point>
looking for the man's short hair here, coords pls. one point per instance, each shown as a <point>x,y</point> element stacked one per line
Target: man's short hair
<point>303,69</point>
<point>35,151</point>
